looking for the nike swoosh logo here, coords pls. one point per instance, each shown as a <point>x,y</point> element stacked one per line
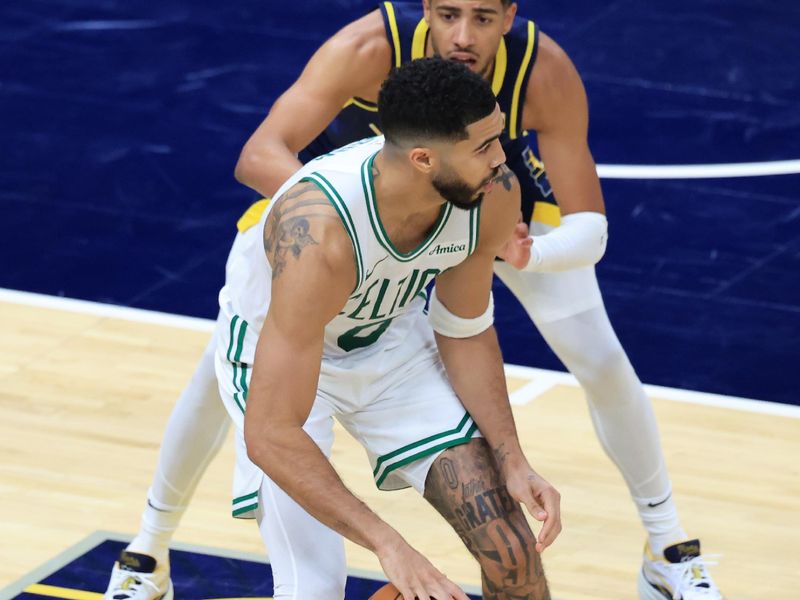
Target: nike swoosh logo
<point>652,505</point>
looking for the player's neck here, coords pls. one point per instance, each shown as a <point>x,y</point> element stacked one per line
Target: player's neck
<point>406,201</point>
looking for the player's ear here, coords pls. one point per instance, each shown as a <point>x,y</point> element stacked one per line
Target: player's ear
<point>422,159</point>
<point>508,17</point>
<point>426,10</point>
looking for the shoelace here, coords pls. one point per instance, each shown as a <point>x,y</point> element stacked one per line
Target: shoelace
<point>692,574</point>
<point>133,588</point>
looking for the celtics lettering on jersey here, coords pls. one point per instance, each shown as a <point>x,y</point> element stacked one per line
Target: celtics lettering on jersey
<point>390,287</point>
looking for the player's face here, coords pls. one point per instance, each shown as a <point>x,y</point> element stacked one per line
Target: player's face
<point>468,168</point>
<point>468,31</point>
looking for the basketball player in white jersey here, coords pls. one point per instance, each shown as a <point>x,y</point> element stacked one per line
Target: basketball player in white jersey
<point>558,289</point>
<point>322,315</point>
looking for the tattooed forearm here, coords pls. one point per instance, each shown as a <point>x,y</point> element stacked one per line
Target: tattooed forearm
<point>500,455</point>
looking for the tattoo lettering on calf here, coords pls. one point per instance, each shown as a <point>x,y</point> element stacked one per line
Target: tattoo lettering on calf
<point>477,509</point>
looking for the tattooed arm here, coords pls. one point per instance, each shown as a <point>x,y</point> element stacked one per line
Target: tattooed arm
<point>475,365</point>
<point>313,274</point>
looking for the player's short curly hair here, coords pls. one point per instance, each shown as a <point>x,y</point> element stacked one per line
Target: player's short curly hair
<point>430,99</point>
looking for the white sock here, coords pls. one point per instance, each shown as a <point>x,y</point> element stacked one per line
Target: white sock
<point>660,518</point>
<point>158,525</point>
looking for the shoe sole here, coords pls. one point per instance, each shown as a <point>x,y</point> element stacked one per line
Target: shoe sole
<point>647,591</point>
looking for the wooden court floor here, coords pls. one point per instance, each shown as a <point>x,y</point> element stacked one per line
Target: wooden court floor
<point>84,399</point>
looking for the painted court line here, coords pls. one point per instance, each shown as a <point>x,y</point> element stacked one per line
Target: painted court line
<point>541,379</point>
<point>711,171</point>
<point>112,311</point>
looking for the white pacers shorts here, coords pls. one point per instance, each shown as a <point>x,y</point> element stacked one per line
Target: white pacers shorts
<point>398,403</point>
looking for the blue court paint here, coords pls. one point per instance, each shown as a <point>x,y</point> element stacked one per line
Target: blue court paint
<point>195,575</point>
<point>121,124</point>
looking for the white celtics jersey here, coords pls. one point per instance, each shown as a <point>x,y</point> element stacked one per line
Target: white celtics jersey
<point>390,289</point>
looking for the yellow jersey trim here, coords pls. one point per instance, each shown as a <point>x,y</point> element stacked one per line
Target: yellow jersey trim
<point>363,104</point>
<point>512,129</point>
<point>500,59</point>
<point>395,34</point>
<point>500,66</point>
<point>252,215</point>
<point>547,214</point>
<point>418,41</point>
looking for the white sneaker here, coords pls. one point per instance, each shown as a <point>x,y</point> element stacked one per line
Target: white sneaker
<point>135,577</point>
<point>680,574</point>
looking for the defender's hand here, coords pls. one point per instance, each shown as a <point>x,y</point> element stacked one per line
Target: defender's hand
<point>414,575</point>
<point>517,250</point>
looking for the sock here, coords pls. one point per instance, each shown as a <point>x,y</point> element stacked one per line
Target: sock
<point>660,518</point>
<point>158,525</point>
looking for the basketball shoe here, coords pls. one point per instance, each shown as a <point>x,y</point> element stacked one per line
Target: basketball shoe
<point>135,576</point>
<point>680,574</point>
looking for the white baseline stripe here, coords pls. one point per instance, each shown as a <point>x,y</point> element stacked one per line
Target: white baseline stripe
<point>546,379</point>
<point>98,309</point>
<point>755,169</point>
<point>662,393</point>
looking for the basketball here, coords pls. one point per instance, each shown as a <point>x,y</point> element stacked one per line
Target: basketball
<point>387,592</point>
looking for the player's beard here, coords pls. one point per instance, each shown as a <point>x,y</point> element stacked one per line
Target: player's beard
<point>457,191</point>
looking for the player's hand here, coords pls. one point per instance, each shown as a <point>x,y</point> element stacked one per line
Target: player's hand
<point>517,250</point>
<point>540,498</point>
<point>414,575</point>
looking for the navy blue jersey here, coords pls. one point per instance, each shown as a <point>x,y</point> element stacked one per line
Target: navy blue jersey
<point>407,32</point>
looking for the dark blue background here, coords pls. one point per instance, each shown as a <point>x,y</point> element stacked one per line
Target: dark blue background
<point>121,124</point>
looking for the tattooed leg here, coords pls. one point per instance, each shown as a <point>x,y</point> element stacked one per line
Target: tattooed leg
<point>465,486</point>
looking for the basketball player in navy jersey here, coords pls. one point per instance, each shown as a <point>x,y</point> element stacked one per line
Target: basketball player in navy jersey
<point>540,93</point>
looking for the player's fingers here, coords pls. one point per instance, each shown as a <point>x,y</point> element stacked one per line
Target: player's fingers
<point>536,510</point>
<point>552,525</point>
<point>405,592</point>
<point>455,592</point>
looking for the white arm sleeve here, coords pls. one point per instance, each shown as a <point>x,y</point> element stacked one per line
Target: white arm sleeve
<point>580,241</point>
<point>450,325</point>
